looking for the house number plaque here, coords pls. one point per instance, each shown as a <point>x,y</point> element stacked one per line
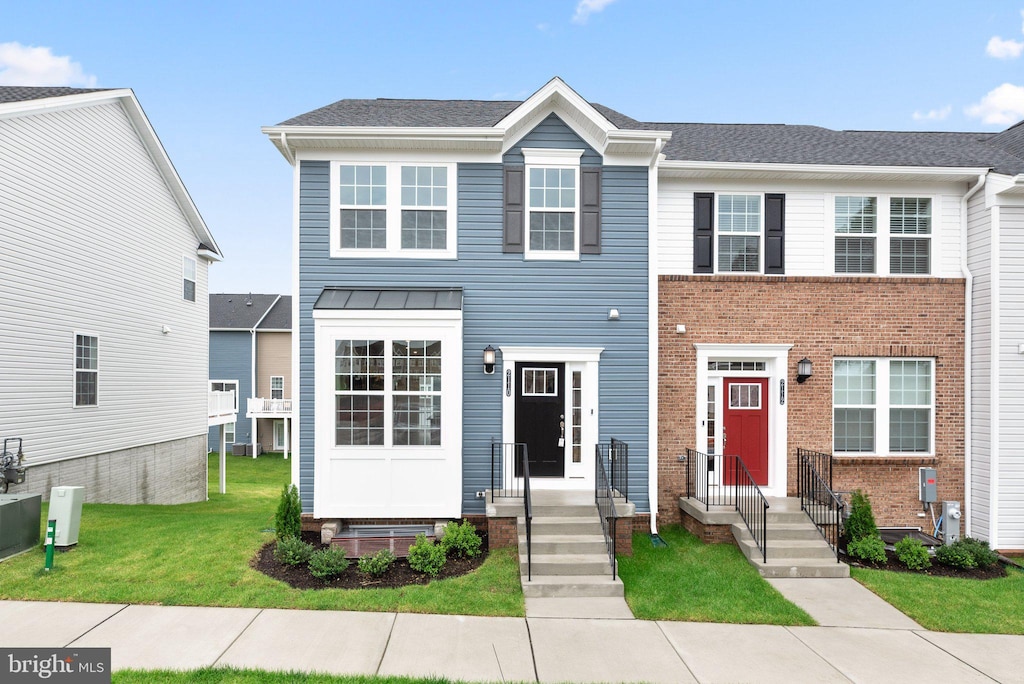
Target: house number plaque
<point>508,382</point>
<point>782,392</point>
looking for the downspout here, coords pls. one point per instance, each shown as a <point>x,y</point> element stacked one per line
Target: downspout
<point>968,325</point>
<point>652,332</point>
<point>252,387</point>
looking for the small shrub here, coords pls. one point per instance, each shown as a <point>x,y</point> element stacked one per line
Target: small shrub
<point>288,519</point>
<point>913,553</point>
<point>461,541</point>
<point>871,549</point>
<point>425,556</point>
<point>376,564</point>
<point>984,557</point>
<point>861,522</point>
<point>292,551</point>
<point>328,563</point>
<point>956,555</point>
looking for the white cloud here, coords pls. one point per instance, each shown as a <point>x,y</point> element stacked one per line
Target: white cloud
<point>24,65</point>
<point>543,27</point>
<point>584,8</point>
<point>933,114</point>
<point>1003,49</point>
<point>1003,106</point>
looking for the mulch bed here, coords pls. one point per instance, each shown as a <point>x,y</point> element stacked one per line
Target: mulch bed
<point>892,563</point>
<point>399,575</point>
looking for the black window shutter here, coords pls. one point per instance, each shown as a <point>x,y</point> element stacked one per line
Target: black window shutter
<point>703,232</point>
<point>515,192</point>
<point>775,233</point>
<point>590,210</point>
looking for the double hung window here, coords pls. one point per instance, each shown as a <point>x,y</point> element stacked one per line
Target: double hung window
<point>86,370</point>
<point>739,233</point>
<point>277,387</point>
<point>883,235</point>
<point>552,203</point>
<point>188,277</point>
<point>883,406</point>
<point>393,210</point>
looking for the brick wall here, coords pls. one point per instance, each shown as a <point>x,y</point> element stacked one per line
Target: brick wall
<point>709,534</point>
<point>822,318</point>
<point>502,532</point>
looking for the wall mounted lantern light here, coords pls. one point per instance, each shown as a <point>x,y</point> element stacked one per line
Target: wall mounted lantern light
<point>488,360</point>
<point>804,369</point>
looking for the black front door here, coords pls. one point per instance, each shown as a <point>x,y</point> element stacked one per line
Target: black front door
<point>540,417</point>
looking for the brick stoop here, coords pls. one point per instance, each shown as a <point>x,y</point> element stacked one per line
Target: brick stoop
<point>795,548</point>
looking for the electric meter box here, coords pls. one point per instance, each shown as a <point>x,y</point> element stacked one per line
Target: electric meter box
<point>66,509</point>
<point>950,521</point>
<point>927,483</point>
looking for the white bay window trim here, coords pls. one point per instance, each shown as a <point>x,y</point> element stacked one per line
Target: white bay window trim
<point>393,207</point>
<point>883,234</point>
<point>552,159</point>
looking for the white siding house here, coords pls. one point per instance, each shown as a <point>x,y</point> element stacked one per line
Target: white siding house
<point>104,307</point>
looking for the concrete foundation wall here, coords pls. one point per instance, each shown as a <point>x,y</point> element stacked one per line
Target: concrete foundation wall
<point>165,473</point>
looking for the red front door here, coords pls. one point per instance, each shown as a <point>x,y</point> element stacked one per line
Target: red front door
<point>745,422</point>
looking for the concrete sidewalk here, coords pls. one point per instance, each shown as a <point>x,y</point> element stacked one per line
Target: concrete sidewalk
<point>508,649</point>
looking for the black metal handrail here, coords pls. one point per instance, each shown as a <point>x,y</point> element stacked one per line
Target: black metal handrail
<point>743,494</point>
<point>510,479</point>
<point>604,497</point>
<point>817,499</point>
<point>619,470</point>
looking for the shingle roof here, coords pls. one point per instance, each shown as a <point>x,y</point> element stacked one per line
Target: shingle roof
<point>243,311</point>
<point>25,93</point>
<point>743,143</point>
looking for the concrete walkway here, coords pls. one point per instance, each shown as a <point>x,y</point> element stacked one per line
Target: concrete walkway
<point>508,649</point>
<point>842,602</point>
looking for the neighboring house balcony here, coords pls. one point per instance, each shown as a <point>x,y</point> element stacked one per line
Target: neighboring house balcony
<point>261,407</point>
<point>223,408</point>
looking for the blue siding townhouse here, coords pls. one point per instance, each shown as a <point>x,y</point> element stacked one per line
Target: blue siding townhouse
<point>431,234</point>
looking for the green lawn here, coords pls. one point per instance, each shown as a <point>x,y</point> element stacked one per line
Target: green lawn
<point>690,580</point>
<point>198,555</point>
<point>217,675</point>
<point>945,604</point>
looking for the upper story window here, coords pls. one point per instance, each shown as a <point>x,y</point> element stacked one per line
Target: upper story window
<point>393,210</point>
<point>552,203</point>
<point>277,387</point>
<point>188,276</point>
<point>86,370</point>
<point>739,233</point>
<point>883,235</point>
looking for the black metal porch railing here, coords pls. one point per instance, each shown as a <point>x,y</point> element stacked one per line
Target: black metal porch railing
<point>725,481</point>
<point>817,499</point>
<point>510,479</point>
<point>619,467</point>
<point>604,497</point>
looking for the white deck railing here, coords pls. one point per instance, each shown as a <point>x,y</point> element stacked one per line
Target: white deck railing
<point>263,407</point>
<point>221,405</point>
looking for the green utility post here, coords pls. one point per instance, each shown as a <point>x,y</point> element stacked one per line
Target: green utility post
<point>51,533</point>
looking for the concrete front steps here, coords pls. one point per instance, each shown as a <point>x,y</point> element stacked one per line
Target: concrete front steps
<point>795,547</point>
<point>570,557</point>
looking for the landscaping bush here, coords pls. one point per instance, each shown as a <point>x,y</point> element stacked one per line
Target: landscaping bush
<point>983,555</point>
<point>288,519</point>
<point>292,551</point>
<point>376,564</point>
<point>956,555</point>
<point>461,541</point>
<point>861,522</point>
<point>871,549</point>
<point>425,556</point>
<point>328,563</point>
<point>913,553</point>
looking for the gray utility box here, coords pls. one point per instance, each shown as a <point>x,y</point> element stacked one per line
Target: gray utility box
<point>66,509</point>
<point>19,522</point>
<point>928,493</point>
<point>950,521</point>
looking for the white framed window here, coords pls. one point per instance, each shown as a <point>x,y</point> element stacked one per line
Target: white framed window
<point>226,386</point>
<point>552,204</point>
<point>882,235</point>
<point>277,387</point>
<point>188,278</point>
<point>229,433</point>
<point>540,382</point>
<point>393,209</point>
<point>740,225</point>
<point>883,406</point>
<point>86,370</point>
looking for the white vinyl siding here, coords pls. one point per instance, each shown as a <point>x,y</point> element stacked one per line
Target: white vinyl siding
<point>979,261</point>
<point>810,234</point>
<point>1011,378</point>
<point>74,183</point>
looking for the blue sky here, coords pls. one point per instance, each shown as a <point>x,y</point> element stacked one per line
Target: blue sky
<point>209,74</point>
